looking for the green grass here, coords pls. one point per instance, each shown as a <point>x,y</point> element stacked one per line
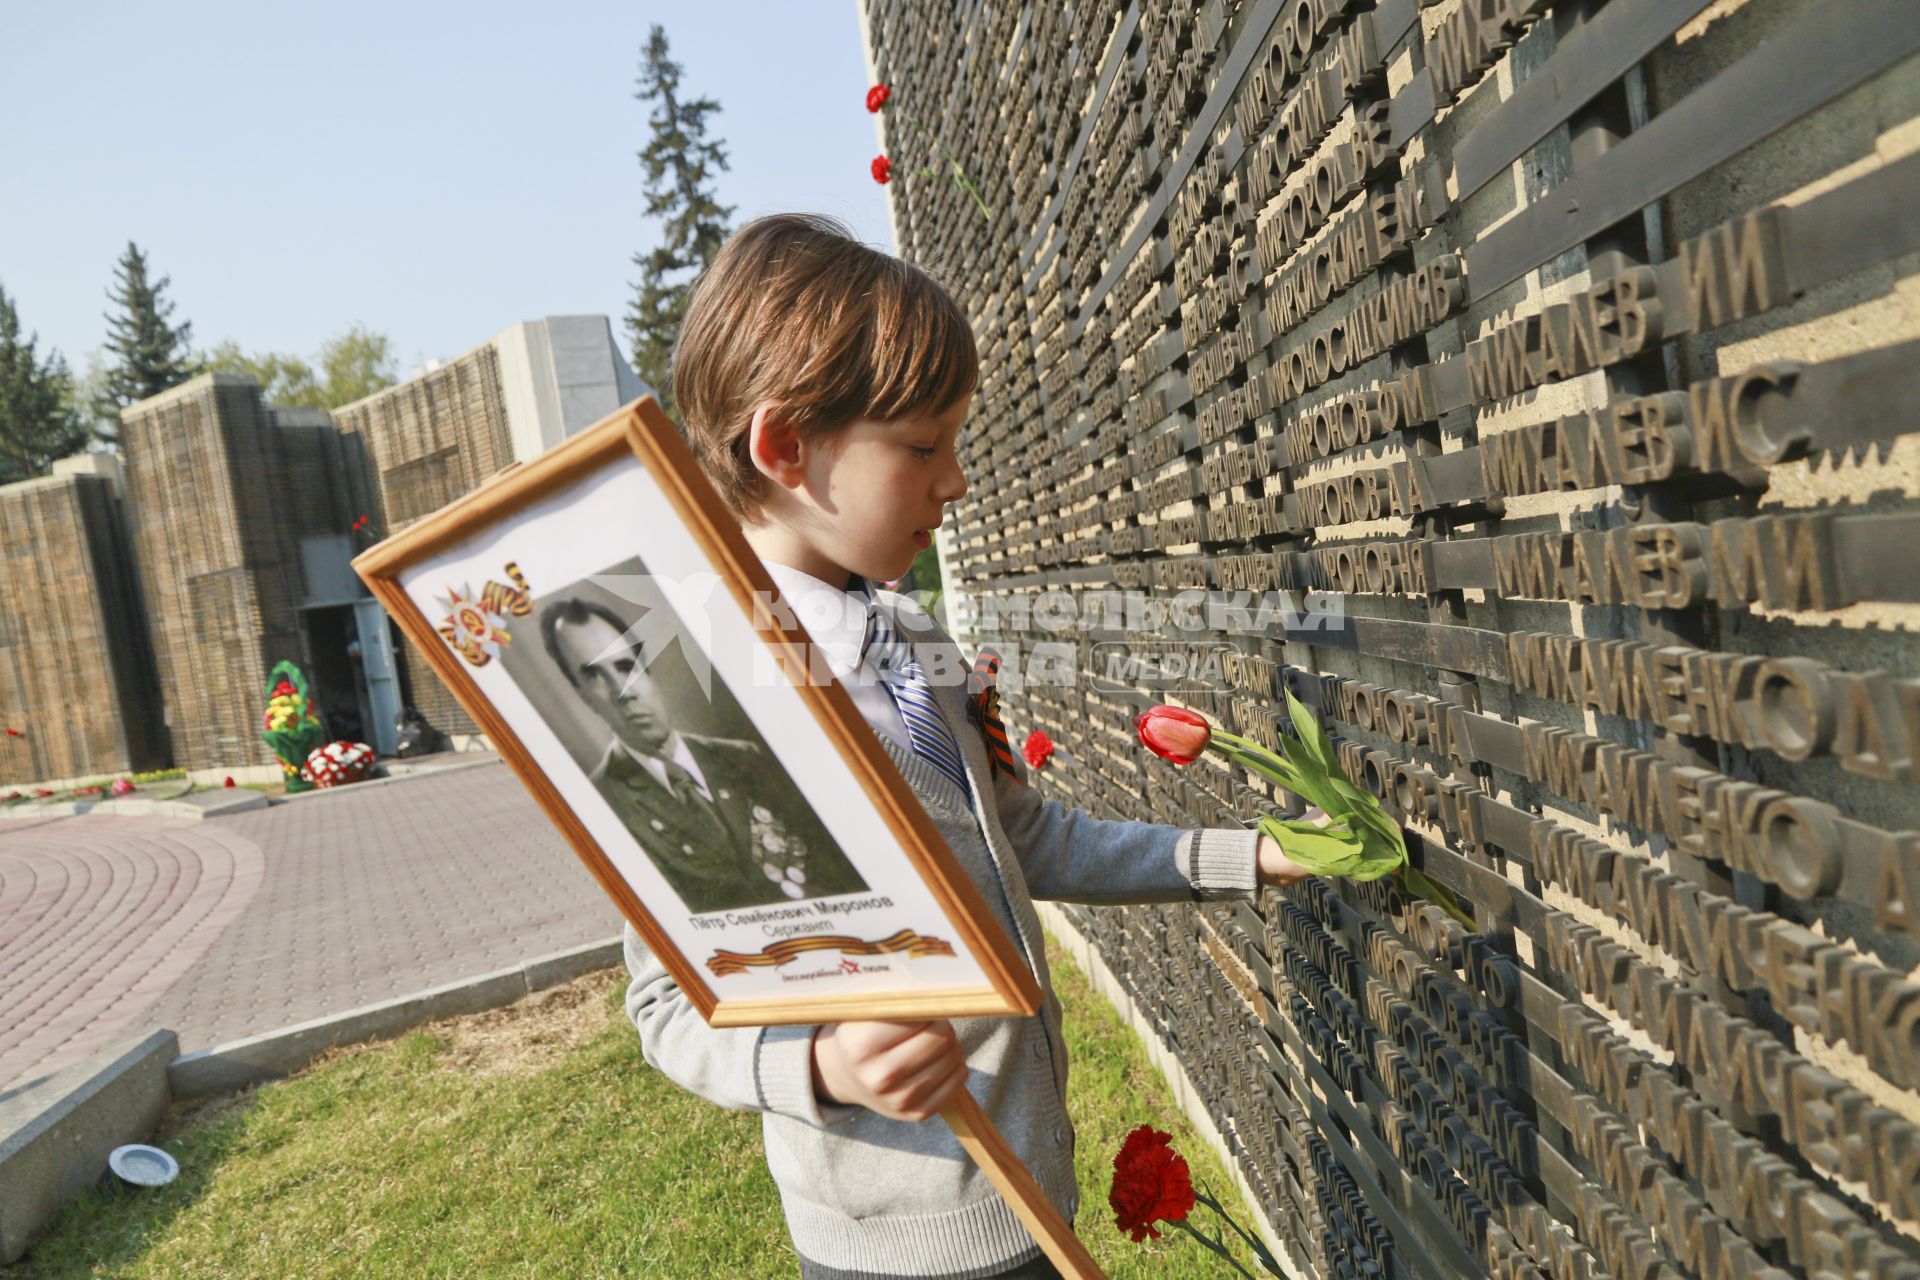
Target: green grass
<point>1112,1089</point>
<point>522,1144</point>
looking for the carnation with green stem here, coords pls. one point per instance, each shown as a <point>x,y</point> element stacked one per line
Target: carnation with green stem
<point>1151,1184</point>
<point>877,99</point>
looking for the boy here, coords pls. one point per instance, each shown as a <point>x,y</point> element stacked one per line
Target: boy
<point>823,385</point>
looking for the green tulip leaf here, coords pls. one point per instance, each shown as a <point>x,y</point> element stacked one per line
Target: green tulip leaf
<point>1312,736</point>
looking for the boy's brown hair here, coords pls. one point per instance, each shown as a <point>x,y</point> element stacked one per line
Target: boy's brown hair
<point>795,311</point>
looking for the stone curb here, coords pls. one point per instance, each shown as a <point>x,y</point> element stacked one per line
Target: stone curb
<point>215,805</point>
<point>410,775</point>
<point>237,1063</point>
<point>56,1132</point>
<point>220,803</point>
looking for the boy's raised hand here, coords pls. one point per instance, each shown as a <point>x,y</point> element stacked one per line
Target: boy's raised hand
<point>1275,867</point>
<point>903,1070</point>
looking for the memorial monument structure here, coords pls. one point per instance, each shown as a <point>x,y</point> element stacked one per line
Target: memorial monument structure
<point>1551,370</point>
<point>151,591</point>
<point>77,691</point>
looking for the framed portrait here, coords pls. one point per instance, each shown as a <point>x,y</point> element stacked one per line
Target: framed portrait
<point>599,614</point>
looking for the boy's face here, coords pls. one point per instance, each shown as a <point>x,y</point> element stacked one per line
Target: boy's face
<point>870,498</point>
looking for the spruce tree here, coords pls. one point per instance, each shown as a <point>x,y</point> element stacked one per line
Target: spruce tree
<point>149,354</point>
<point>37,422</point>
<point>679,163</point>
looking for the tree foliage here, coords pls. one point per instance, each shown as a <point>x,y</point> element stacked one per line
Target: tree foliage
<point>679,163</point>
<point>149,353</point>
<point>351,366</point>
<point>283,379</point>
<point>355,364</point>
<point>37,419</point>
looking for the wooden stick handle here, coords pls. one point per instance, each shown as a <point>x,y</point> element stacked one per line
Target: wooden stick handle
<point>991,1152</point>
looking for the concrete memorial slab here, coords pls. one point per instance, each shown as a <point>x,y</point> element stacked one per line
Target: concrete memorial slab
<point>1527,388</point>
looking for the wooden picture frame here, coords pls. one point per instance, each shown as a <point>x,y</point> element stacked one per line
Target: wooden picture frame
<point>506,598</point>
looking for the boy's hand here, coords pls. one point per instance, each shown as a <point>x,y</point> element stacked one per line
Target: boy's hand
<point>903,1070</point>
<point>1276,868</point>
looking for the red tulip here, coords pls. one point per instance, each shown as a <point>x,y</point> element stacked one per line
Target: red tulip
<point>1173,733</point>
<point>877,97</point>
<point>882,170</point>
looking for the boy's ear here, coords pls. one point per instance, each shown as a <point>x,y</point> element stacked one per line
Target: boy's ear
<point>774,447</point>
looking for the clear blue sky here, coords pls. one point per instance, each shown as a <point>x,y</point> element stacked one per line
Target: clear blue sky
<point>437,171</point>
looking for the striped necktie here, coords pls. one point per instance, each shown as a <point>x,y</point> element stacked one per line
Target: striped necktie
<point>933,740</point>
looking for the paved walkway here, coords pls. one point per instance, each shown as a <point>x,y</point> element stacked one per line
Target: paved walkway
<point>114,926</point>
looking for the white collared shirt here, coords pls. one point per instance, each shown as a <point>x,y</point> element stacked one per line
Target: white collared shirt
<point>836,620</point>
<point>680,755</point>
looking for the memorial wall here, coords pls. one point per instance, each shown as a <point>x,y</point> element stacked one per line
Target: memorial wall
<point>1528,388</point>
<point>223,489</point>
<point>76,663</point>
<point>430,440</point>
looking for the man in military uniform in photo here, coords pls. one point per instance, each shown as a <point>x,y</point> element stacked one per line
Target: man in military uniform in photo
<point>719,817</point>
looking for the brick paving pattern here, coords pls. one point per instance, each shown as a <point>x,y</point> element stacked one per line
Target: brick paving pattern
<point>98,917</point>
<point>112,926</point>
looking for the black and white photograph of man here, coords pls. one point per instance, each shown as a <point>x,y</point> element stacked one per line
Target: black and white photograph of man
<point>689,777</point>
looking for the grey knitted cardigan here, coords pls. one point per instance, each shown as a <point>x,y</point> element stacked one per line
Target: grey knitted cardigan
<point>868,1196</point>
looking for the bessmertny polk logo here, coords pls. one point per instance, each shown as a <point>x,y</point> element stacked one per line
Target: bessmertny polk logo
<point>476,622</point>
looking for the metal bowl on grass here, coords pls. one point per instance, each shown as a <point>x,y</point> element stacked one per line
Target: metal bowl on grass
<point>142,1166</point>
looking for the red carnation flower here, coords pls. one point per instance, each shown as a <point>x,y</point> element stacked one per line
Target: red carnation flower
<point>877,97</point>
<point>882,170</point>
<point>281,690</point>
<point>1173,733</point>
<point>1150,1184</point>
<point>1038,749</point>
<point>13,733</point>
<point>229,781</point>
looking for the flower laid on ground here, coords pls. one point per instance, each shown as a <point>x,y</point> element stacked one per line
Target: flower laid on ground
<point>292,725</point>
<point>229,781</point>
<point>878,97</point>
<point>1151,1184</point>
<point>122,786</point>
<point>1038,749</point>
<point>13,733</point>
<point>338,763</point>
<point>1360,842</point>
<point>15,794</point>
<point>42,792</point>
